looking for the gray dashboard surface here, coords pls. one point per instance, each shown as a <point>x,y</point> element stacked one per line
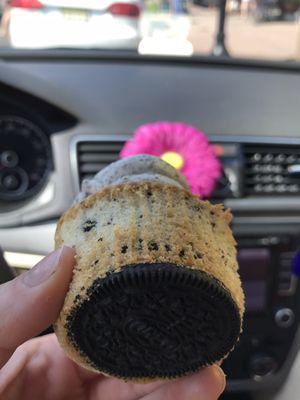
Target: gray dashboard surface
<point>119,95</point>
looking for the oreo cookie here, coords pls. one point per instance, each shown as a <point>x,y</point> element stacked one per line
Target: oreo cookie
<point>153,321</point>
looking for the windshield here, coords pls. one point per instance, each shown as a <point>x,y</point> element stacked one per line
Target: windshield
<point>251,29</point>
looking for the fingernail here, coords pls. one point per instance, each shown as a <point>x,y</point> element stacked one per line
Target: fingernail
<point>44,269</point>
<point>222,376</point>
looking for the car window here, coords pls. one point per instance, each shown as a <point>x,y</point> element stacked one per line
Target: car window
<point>253,29</point>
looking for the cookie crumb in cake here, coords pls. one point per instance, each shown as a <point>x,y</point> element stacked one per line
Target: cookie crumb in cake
<point>182,253</point>
<point>153,246</point>
<point>88,225</point>
<point>110,271</point>
<point>124,249</point>
<point>77,298</point>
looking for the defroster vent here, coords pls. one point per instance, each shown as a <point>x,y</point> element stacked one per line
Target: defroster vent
<point>92,156</point>
<point>271,170</point>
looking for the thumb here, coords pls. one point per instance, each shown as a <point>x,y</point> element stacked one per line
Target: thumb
<point>32,301</point>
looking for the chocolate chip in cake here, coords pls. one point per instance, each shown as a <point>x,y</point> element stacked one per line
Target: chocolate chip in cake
<point>69,317</point>
<point>88,225</point>
<point>197,207</point>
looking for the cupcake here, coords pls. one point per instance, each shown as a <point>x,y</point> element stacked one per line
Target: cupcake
<point>156,292</point>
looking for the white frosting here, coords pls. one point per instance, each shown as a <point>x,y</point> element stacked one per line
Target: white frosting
<point>140,168</point>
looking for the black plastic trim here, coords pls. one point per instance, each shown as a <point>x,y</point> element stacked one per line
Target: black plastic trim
<point>62,55</point>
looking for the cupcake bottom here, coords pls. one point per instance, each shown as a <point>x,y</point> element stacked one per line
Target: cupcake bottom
<point>154,321</point>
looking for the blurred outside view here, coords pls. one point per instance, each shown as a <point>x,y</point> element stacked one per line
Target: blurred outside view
<point>264,29</point>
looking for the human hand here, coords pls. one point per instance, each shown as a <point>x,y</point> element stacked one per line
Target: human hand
<point>38,369</point>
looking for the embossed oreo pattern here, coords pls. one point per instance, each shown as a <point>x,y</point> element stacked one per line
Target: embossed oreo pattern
<point>154,321</point>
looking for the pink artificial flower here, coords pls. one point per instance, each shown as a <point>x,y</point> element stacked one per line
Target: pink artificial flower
<point>200,166</point>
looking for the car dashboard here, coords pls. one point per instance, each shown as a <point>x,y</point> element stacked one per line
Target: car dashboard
<point>66,115</point>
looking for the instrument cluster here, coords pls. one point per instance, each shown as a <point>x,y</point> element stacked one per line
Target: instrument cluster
<point>25,158</point>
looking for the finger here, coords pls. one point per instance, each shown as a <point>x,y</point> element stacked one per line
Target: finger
<point>31,302</point>
<point>208,384</point>
<point>209,381</point>
<point>117,389</point>
<point>39,369</point>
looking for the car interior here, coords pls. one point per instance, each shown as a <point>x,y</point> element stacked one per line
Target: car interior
<point>66,113</point>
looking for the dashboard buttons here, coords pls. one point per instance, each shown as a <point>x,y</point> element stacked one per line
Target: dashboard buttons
<point>13,182</point>
<point>284,317</point>
<point>10,182</point>
<point>277,169</point>
<point>286,280</point>
<point>268,158</point>
<point>25,159</point>
<point>268,171</point>
<point>269,188</point>
<point>294,188</point>
<point>291,159</point>
<point>9,158</point>
<point>258,188</point>
<point>262,365</point>
<point>256,157</point>
<point>280,158</point>
<point>278,178</point>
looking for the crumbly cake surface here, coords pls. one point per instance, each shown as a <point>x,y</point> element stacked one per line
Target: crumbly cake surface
<point>144,223</point>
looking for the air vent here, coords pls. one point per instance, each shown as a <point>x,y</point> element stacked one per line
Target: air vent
<point>271,170</point>
<point>92,156</point>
